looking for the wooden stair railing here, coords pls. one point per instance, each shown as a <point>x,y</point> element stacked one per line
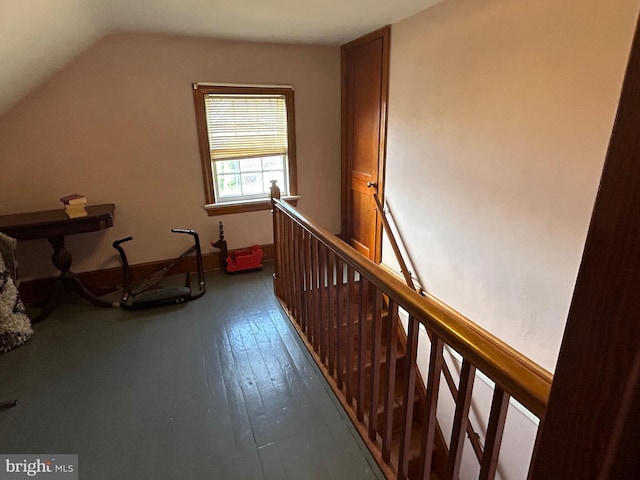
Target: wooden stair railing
<point>334,297</point>
<point>472,435</point>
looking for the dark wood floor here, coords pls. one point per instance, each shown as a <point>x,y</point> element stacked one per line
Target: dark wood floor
<point>218,388</point>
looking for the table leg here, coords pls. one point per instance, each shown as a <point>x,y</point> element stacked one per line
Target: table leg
<point>61,257</point>
<point>81,290</point>
<point>66,281</point>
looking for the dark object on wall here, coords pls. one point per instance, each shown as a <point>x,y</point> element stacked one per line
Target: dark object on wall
<point>148,292</point>
<point>240,260</point>
<point>8,404</point>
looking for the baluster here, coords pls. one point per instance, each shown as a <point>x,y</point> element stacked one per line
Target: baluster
<point>313,317</point>
<point>287,266</point>
<point>274,194</point>
<point>495,429</point>
<point>286,262</point>
<point>276,246</point>
<point>376,338</point>
<point>292,271</point>
<point>471,433</point>
<point>350,334</point>
<point>283,276</point>
<point>408,397</point>
<point>322,299</point>
<point>312,291</point>
<point>284,250</point>
<point>392,339</point>
<point>299,262</point>
<point>295,281</point>
<point>362,346</point>
<point>308,298</point>
<point>331,313</point>
<point>436,361</point>
<point>461,419</point>
<point>339,320</point>
<point>283,258</point>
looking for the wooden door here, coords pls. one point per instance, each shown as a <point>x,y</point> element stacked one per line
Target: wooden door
<point>365,73</point>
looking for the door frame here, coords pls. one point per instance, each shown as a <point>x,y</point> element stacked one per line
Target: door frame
<point>384,34</point>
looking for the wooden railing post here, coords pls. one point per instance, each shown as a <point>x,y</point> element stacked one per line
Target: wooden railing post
<point>495,429</point>
<point>274,194</point>
<point>436,363</point>
<point>408,396</point>
<point>461,418</point>
<point>274,191</point>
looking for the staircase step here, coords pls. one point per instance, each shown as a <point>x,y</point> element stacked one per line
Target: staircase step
<point>382,391</point>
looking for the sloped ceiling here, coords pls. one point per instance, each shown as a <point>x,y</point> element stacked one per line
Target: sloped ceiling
<point>37,37</point>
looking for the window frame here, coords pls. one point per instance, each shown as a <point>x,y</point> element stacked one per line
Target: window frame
<point>200,90</point>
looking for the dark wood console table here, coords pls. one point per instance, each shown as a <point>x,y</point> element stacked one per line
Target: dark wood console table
<point>54,225</point>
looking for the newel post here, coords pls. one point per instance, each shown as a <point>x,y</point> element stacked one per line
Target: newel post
<point>274,191</point>
<point>274,194</point>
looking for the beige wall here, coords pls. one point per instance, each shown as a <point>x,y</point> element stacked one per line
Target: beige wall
<point>500,114</point>
<point>118,125</point>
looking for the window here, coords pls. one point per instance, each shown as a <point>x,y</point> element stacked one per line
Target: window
<point>247,139</point>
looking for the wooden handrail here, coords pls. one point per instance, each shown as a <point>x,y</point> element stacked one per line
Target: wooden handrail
<point>519,376</point>
<point>394,244</point>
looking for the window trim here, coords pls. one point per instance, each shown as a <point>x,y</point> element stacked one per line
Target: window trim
<point>200,90</point>
<point>247,205</point>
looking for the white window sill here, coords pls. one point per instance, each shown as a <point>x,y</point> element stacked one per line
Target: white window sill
<point>246,205</point>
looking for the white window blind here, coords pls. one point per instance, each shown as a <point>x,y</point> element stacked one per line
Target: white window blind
<point>246,126</point>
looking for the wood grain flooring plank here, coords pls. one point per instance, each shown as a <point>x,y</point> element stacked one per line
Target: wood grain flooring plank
<point>217,388</point>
